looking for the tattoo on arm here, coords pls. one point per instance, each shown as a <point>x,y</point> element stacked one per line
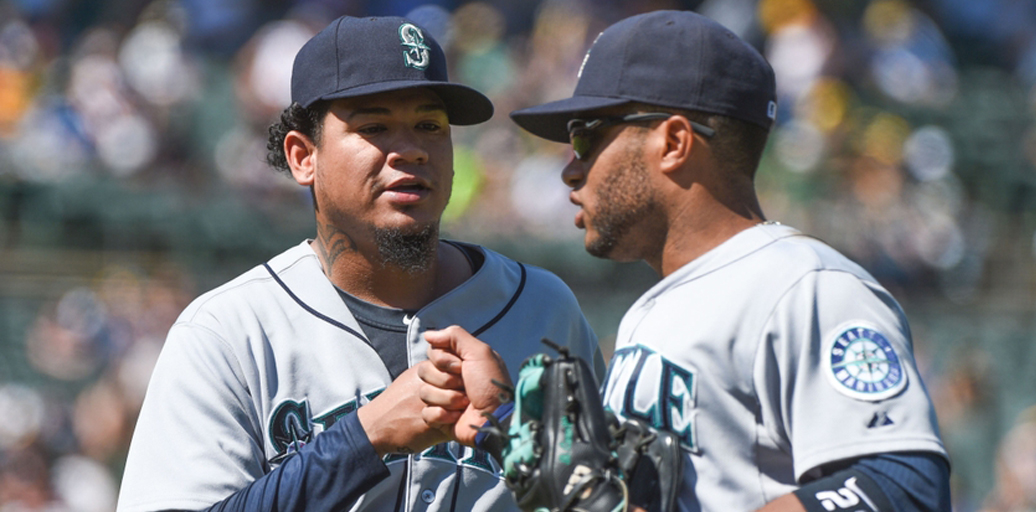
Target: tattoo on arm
<point>332,242</point>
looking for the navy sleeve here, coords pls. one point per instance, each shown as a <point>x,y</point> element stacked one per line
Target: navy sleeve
<point>503,417</point>
<point>913,481</point>
<point>495,444</point>
<point>326,474</point>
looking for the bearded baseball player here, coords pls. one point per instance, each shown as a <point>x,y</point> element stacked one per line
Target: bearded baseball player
<point>293,386</point>
<point>785,369</point>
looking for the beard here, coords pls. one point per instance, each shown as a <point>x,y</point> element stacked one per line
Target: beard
<point>622,202</point>
<point>411,250</point>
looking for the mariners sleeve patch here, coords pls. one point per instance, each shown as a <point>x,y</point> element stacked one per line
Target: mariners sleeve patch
<point>862,364</point>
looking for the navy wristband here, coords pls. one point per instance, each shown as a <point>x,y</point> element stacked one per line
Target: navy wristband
<point>494,445</point>
<point>846,490</point>
<point>501,414</point>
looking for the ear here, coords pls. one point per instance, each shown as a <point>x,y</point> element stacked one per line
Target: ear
<point>679,142</point>
<point>301,154</point>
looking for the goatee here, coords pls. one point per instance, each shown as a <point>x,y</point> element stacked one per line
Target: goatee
<point>623,202</point>
<point>411,251</point>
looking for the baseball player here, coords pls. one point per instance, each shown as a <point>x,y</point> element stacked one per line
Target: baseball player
<point>293,387</point>
<point>785,369</point>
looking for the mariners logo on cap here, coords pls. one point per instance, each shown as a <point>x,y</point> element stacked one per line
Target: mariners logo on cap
<point>416,53</point>
<point>862,364</point>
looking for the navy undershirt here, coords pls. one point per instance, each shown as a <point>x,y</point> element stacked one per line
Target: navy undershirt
<point>386,327</point>
<point>386,330</point>
<point>340,459</point>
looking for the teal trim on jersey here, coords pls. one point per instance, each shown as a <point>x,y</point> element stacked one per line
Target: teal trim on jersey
<point>441,452</point>
<point>290,428</point>
<point>499,300</point>
<point>336,414</point>
<point>479,459</point>
<point>667,390</point>
<point>342,461</point>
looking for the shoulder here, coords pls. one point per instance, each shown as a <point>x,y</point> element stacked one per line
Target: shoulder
<point>809,262</point>
<point>249,292</point>
<point>801,253</point>
<point>804,267</point>
<point>534,279</point>
<point>778,256</point>
<point>826,293</point>
<point>795,260</point>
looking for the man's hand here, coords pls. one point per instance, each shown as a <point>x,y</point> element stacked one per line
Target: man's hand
<point>787,503</point>
<point>458,382</point>
<point>393,420</point>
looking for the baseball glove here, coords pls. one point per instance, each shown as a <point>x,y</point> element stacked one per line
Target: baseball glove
<point>561,451</point>
<point>651,462</point>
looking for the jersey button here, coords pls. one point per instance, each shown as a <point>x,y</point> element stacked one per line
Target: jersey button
<point>427,496</point>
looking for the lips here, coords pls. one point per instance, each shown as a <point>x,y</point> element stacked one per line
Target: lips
<point>579,221</point>
<point>410,189</point>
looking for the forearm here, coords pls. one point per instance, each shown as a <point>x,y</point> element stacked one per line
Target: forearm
<point>786,503</point>
<point>327,474</point>
<point>890,482</point>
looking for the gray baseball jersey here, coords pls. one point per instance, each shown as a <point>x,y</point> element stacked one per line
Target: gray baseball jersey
<point>270,359</point>
<point>769,356</point>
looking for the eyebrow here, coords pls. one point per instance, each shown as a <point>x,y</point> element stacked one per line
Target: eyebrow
<point>382,111</point>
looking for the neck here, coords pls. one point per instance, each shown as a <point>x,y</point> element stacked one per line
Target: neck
<point>699,225</point>
<point>358,267</point>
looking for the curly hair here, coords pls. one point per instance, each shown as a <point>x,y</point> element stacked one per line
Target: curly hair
<point>305,120</point>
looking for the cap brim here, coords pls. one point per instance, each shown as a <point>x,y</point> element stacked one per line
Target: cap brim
<point>464,105</point>
<point>550,120</point>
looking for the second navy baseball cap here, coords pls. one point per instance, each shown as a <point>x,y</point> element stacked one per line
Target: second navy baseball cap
<point>360,56</point>
<point>676,59</point>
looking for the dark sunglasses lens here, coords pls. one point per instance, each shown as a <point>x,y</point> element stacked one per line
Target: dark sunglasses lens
<point>582,143</point>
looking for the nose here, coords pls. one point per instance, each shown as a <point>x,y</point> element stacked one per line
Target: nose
<point>407,148</point>
<point>574,174</point>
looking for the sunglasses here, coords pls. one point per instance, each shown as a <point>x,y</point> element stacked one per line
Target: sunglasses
<point>581,132</point>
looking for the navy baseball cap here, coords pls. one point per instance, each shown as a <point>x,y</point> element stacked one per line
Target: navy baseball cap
<point>676,59</point>
<point>360,56</point>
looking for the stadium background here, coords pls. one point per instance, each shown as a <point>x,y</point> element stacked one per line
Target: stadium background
<point>132,137</point>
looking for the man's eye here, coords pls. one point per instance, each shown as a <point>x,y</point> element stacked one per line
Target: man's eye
<point>431,127</point>
<point>372,129</point>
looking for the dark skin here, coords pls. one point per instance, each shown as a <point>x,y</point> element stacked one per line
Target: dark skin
<point>459,385</point>
<point>701,204</point>
<point>697,204</point>
<point>383,162</point>
<point>393,421</point>
<point>331,243</point>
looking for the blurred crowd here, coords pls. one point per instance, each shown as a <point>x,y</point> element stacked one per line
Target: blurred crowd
<point>62,446</point>
<point>906,137</point>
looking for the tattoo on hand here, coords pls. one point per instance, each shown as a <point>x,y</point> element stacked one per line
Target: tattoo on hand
<point>332,242</point>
